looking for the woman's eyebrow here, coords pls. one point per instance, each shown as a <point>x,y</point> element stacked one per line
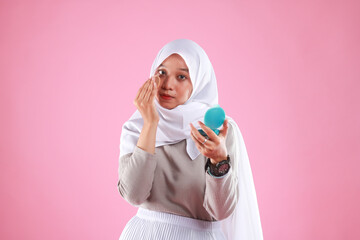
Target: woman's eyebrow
<point>182,69</point>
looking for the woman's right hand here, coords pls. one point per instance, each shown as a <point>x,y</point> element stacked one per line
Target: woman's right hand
<point>144,101</point>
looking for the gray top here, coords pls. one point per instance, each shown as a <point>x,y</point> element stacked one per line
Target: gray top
<point>169,181</point>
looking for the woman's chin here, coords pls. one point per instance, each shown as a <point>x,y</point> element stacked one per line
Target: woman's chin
<point>167,105</point>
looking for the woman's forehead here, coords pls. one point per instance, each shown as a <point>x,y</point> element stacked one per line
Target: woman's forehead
<point>175,60</point>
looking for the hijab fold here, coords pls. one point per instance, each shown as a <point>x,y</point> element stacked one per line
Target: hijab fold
<point>174,126</point>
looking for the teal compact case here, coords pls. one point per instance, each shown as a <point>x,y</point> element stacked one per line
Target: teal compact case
<point>214,118</point>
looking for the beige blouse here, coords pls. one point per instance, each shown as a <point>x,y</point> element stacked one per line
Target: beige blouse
<point>169,181</point>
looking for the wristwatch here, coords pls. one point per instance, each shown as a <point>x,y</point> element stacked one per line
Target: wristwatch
<point>219,169</point>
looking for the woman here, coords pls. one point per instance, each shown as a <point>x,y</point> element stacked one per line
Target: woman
<point>168,169</point>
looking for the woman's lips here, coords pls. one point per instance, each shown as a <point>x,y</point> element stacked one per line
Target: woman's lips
<point>166,97</point>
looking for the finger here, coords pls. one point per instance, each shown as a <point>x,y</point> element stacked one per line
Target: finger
<point>195,133</point>
<point>138,92</point>
<point>157,80</point>
<point>141,89</point>
<point>209,132</point>
<point>197,144</point>
<point>224,130</point>
<point>153,92</point>
<point>199,138</point>
<point>149,91</point>
<point>142,94</point>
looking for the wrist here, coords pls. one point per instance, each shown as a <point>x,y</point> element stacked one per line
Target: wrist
<point>219,159</point>
<point>150,124</point>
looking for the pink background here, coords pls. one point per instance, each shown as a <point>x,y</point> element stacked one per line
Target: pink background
<point>287,71</point>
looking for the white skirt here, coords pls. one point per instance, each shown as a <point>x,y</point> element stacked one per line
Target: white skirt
<point>147,224</point>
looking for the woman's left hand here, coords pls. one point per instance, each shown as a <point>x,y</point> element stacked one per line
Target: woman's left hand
<point>214,148</point>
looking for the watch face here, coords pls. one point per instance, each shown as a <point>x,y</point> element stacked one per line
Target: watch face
<point>223,168</point>
<point>219,169</point>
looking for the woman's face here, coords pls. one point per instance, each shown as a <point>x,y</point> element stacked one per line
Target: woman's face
<point>174,86</point>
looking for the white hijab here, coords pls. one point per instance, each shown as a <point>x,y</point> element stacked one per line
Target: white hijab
<point>173,126</point>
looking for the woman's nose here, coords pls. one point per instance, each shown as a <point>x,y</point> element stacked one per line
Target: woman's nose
<point>168,82</point>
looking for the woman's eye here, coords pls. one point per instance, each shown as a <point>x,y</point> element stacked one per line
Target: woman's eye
<point>182,77</point>
<point>161,72</point>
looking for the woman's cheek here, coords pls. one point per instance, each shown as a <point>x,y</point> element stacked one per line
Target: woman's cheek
<point>189,93</point>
